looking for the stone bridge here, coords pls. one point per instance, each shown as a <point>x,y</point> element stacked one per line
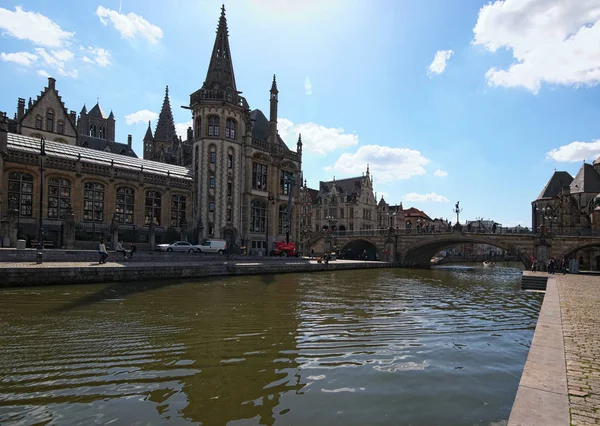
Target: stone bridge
<point>416,249</point>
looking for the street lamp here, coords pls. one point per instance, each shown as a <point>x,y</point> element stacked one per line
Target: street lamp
<point>41,225</point>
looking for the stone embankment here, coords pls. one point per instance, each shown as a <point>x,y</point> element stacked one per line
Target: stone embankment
<point>560,384</point>
<point>59,273</point>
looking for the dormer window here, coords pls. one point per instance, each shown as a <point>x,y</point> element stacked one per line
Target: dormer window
<point>60,127</point>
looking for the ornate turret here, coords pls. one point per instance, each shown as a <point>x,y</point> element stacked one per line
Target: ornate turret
<point>220,74</point>
<point>148,136</point>
<point>299,144</point>
<point>165,128</point>
<point>273,111</point>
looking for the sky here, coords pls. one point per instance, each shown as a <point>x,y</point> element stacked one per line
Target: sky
<point>474,101</point>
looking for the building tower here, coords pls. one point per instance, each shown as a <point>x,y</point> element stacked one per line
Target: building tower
<point>220,117</point>
<point>148,143</point>
<point>165,137</point>
<point>96,124</point>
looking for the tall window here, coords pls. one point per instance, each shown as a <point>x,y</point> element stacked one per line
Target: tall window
<point>213,155</point>
<point>93,202</point>
<point>230,129</point>
<point>211,206</point>
<point>212,182</point>
<point>351,213</point>
<point>258,216</point>
<point>59,197</point>
<point>229,188</point>
<point>125,205</point>
<point>60,127</point>
<point>101,134</point>
<point>213,126</point>
<point>228,215</point>
<point>38,122</point>
<point>283,219</point>
<point>259,176</point>
<point>20,192</point>
<point>198,127</point>
<point>284,181</point>
<point>230,161</point>
<point>341,213</point>
<point>50,120</point>
<point>153,207</point>
<point>93,130</point>
<point>177,210</point>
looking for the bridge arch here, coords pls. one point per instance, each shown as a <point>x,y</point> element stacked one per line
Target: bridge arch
<point>355,249</point>
<point>570,252</point>
<point>419,255</point>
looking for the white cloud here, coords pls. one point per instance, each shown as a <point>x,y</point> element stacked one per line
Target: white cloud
<point>181,129</point>
<point>97,55</point>
<point>307,86</point>
<point>315,138</point>
<point>58,60</point>
<point>439,61</point>
<point>130,25</point>
<point>386,164</point>
<point>34,27</point>
<point>440,173</point>
<point>551,41</point>
<point>142,116</point>
<point>575,151</point>
<point>432,197</point>
<point>22,58</point>
<point>43,73</point>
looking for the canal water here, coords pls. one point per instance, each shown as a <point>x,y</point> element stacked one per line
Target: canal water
<point>370,347</point>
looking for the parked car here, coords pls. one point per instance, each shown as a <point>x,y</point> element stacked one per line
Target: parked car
<point>177,246</point>
<point>211,246</point>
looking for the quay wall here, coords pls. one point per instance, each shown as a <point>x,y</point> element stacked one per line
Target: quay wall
<point>13,275</point>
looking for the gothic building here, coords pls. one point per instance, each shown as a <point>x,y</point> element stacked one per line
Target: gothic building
<point>244,173</point>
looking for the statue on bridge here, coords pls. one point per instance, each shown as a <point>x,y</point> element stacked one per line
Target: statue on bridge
<point>457,210</point>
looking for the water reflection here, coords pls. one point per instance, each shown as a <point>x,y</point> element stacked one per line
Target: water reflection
<point>390,347</point>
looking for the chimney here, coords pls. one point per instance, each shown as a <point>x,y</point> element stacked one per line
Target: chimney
<point>129,142</point>
<point>3,133</point>
<point>20,108</point>
<point>51,83</point>
<point>73,116</point>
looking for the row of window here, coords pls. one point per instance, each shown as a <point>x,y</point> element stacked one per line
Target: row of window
<point>20,193</point>
<point>332,213</point>
<point>260,178</point>
<point>213,128</point>
<point>258,217</point>
<point>60,125</point>
<point>99,132</point>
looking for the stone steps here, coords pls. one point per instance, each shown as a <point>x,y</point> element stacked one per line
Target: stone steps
<point>534,282</point>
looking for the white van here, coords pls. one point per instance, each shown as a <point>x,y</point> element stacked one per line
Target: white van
<point>212,246</point>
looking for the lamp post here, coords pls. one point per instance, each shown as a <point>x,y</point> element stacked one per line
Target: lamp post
<point>41,225</point>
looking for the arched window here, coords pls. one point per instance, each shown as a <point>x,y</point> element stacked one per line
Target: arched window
<point>213,126</point>
<point>230,159</point>
<point>285,179</point>
<point>177,210</point>
<point>212,182</point>
<point>211,206</point>
<point>59,197</point>
<point>213,154</point>
<point>50,120</point>
<point>230,129</point>
<point>93,130</point>
<point>153,207</point>
<point>283,220</point>
<point>125,205</point>
<point>258,216</point>
<point>198,127</point>
<point>38,122</point>
<point>60,127</point>
<point>93,202</point>
<point>101,133</point>
<point>20,193</point>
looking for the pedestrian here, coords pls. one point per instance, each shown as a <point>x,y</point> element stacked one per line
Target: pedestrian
<point>563,266</point>
<point>119,249</point>
<point>132,249</point>
<point>103,252</point>
<point>532,264</point>
<point>312,253</point>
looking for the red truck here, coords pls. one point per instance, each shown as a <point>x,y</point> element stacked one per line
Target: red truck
<point>283,249</point>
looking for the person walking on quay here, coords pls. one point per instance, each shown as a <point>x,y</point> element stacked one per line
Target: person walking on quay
<point>312,253</point>
<point>119,249</point>
<point>532,264</point>
<point>103,252</point>
<point>132,249</point>
<point>563,266</point>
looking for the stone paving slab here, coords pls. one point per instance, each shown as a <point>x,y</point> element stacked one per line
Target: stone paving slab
<point>580,310</point>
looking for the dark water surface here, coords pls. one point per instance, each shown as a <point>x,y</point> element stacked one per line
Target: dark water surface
<point>372,347</point>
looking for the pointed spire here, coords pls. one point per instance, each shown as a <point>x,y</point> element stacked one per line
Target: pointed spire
<point>111,116</point>
<point>83,110</point>
<point>299,144</point>
<point>274,85</point>
<point>165,127</point>
<point>220,69</point>
<point>148,136</point>
<point>368,170</point>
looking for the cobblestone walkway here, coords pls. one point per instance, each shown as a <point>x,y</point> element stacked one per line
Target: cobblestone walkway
<point>580,312</point>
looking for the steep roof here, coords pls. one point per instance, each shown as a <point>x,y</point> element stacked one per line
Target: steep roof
<point>220,69</point>
<point>104,145</point>
<point>347,186</point>
<point>165,128</point>
<point>313,194</point>
<point>148,136</point>
<point>50,90</point>
<point>260,127</point>
<point>587,180</point>
<point>412,211</point>
<point>97,112</point>
<point>557,182</point>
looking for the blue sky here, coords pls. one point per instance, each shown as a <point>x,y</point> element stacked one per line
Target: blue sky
<point>447,101</point>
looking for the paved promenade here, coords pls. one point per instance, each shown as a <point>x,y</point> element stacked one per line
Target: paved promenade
<point>580,311</point>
